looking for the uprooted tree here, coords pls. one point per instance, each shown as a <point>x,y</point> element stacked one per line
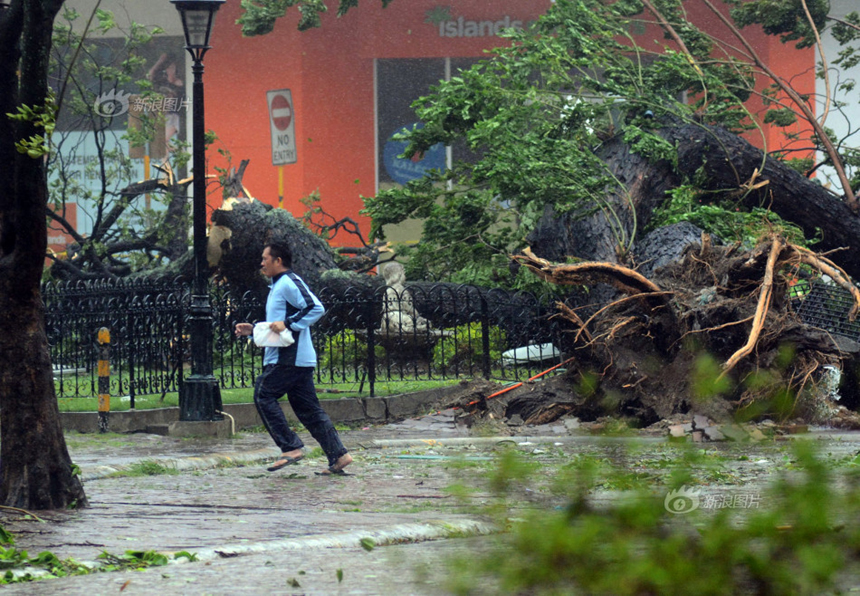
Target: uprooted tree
<point>715,324</point>
<point>585,140</point>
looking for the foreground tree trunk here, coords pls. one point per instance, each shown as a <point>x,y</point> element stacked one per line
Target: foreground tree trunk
<point>35,468</point>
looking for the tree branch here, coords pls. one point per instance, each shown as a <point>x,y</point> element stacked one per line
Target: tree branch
<point>850,198</point>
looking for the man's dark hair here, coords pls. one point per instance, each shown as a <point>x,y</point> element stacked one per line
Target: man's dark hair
<point>280,251</point>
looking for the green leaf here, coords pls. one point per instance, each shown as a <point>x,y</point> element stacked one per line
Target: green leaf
<point>6,537</point>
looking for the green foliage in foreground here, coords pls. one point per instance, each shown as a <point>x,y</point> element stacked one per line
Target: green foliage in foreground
<point>20,567</point>
<point>799,544</point>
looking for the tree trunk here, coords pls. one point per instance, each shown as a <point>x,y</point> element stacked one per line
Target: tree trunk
<point>35,468</point>
<point>251,226</point>
<point>608,234</point>
<point>729,162</point>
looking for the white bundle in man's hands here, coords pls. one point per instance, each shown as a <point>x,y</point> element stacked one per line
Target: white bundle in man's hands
<point>264,336</point>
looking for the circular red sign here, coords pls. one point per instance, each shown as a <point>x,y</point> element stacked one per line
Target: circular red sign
<point>282,112</point>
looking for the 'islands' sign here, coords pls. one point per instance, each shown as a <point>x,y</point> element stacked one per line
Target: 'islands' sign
<point>462,27</point>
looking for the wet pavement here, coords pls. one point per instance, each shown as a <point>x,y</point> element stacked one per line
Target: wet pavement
<point>252,531</point>
<point>292,531</point>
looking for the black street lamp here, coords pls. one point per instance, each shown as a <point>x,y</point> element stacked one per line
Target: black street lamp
<point>199,395</point>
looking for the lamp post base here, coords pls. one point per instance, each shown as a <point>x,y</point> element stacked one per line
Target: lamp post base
<point>200,399</point>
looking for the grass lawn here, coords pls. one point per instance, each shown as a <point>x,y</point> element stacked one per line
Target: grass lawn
<point>244,396</point>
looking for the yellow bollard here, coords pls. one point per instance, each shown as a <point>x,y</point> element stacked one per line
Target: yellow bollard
<point>280,187</point>
<point>104,378</point>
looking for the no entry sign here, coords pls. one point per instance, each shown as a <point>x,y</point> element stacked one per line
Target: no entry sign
<point>283,124</point>
<point>282,112</point>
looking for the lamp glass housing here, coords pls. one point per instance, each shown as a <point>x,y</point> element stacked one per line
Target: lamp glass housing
<point>198,16</point>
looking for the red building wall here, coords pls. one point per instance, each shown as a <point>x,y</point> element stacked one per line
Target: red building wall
<point>797,67</point>
<point>330,72</point>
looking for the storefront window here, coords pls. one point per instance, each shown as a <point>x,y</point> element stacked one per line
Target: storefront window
<point>399,83</point>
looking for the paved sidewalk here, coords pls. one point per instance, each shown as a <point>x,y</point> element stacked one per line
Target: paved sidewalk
<point>252,531</point>
<point>291,532</point>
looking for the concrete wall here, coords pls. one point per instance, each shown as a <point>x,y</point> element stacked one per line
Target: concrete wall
<point>371,410</point>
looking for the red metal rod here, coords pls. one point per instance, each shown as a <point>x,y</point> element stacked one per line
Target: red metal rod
<point>506,389</point>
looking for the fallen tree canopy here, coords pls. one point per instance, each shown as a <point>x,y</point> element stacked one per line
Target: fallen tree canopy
<point>712,334</point>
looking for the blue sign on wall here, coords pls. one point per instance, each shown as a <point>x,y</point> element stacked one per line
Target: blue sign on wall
<point>403,170</point>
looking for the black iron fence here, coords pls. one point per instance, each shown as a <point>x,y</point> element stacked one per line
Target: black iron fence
<point>429,332</point>
<point>827,306</point>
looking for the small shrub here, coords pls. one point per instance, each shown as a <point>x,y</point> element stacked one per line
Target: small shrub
<point>463,347</point>
<point>645,544</point>
<point>346,350</point>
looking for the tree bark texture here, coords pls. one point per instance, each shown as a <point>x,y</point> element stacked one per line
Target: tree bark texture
<point>729,164</point>
<point>730,161</point>
<point>594,237</point>
<point>35,467</point>
<point>253,225</point>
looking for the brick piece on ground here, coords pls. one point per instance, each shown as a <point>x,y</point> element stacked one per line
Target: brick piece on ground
<point>713,433</point>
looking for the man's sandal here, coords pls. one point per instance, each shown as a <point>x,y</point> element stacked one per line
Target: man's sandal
<point>284,462</point>
<point>336,469</point>
<point>333,471</point>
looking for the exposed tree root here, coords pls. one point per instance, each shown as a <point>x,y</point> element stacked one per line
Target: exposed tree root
<point>762,307</point>
<point>617,303</point>
<point>641,355</point>
<point>781,254</point>
<point>568,313</point>
<point>626,280</point>
<point>836,273</point>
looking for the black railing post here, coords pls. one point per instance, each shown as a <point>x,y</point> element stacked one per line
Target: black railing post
<point>485,337</point>
<point>130,344</point>
<point>371,347</point>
